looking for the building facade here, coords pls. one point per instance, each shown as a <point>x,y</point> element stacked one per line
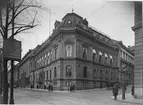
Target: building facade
<point>126,64</point>
<point>1,68</point>
<point>138,72</point>
<point>22,72</point>
<point>75,54</point>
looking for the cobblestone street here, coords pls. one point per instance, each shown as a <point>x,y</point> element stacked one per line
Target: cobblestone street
<point>94,97</point>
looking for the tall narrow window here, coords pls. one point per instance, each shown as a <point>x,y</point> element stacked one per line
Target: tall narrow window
<point>100,57</point>
<point>106,74</point>
<point>111,60</point>
<point>50,74</point>
<point>47,74</point>
<point>93,56</point>
<point>56,52</point>
<point>68,71</point>
<point>55,72</point>
<point>84,53</point>
<point>101,74</point>
<point>48,58</point>
<point>106,59</point>
<point>45,60</point>
<point>85,72</point>
<point>94,73</point>
<point>68,50</point>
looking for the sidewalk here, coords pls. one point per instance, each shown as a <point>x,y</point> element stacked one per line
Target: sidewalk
<point>130,99</point>
<point>42,90</point>
<point>0,99</point>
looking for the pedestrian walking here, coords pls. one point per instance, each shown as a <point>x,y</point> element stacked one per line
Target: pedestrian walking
<point>73,87</point>
<point>49,87</point>
<point>31,86</point>
<point>132,90</point>
<point>115,92</point>
<point>37,86</point>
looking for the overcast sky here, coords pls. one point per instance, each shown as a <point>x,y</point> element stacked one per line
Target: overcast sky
<point>111,17</point>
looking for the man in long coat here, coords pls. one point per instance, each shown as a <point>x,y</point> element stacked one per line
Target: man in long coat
<point>115,92</point>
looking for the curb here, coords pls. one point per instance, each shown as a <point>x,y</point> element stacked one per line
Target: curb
<point>76,91</point>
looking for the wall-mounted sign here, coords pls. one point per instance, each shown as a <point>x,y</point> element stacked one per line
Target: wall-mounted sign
<point>12,49</point>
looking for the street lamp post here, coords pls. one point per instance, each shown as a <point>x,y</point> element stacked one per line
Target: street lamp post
<point>11,86</point>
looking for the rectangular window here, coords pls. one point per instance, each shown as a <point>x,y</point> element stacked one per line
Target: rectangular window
<point>55,72</point>
<point>51,56</point>
<point>56,52</point>
<point>69,50</point>
<point>48,58</point>
<point>50,74</point>
<point>47,74</point>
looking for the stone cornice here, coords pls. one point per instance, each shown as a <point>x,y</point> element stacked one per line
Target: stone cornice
<point>137,26</point>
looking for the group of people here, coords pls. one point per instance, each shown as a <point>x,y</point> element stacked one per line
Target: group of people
<point>115,90</point>
<point>72,88</point>
<point>49,87</point>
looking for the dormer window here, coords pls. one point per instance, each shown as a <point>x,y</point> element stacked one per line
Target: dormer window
<point>69,21</point>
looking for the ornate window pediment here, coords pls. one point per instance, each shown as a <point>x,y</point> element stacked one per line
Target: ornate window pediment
<point>69,41</point>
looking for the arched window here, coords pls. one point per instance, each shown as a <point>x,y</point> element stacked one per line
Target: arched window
<point>48,57</point>
<point>100,57</point>
<point>69,50</point>
<point>111,59</point>
<point>84,55</point>
<point>85,72</point>
<point>106,59</point>
<point>93,56</point>
<point>68,71</point>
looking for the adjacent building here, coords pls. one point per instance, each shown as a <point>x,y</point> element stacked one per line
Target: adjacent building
<point>23,73</point>
<point>126,64</point>
<point>1,68</point>
<point>138,72</point>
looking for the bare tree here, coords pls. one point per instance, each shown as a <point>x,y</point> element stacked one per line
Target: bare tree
<point>16,16</point>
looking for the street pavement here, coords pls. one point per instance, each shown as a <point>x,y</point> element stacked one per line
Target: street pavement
<point>89,97</point>
<point>82,97</point>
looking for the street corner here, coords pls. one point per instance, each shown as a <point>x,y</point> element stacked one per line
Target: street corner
<point>129,99</point>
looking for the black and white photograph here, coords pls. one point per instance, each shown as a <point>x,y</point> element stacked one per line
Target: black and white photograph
<point>71,52</point>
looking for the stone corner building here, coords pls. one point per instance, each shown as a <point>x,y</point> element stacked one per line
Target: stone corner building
<point>138,72</point>
<point>75,54</point>
<point>78,54</point>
